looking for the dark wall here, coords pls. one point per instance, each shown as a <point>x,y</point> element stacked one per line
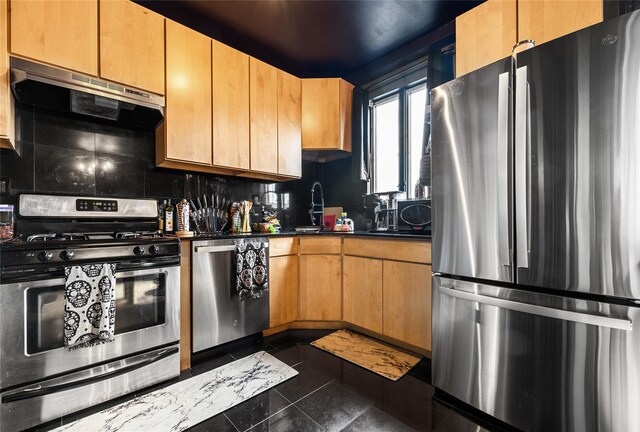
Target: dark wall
<point>68,154</point>
<point>340,185</point>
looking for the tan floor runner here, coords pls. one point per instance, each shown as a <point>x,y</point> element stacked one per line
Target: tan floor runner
<point>368,353</point>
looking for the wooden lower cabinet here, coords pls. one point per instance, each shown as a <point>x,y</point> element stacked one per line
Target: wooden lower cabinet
<point>283,289</point>
<point>362,292</point>
<point>406,298</point>
<point>185,304</point>
<point>320,287</point>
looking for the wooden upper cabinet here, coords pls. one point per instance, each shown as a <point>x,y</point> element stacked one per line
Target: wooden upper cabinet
<point>230,107</point>
<point>326,114</point>
<point>6,103</point>
<point>544,20</point>
<point>188,99</point>
<point>488,32</point>
<point>63,33</point>
<point>132,45</point>
<point>263,109</point>
<point>289,125</point>
<point>485,34</point>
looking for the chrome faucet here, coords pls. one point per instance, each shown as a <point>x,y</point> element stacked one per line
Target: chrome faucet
<point>312,211</point>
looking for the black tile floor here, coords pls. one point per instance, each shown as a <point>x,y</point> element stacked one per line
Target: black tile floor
<point>328,394</point>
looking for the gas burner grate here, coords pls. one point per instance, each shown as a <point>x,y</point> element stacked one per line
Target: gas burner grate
<point>72,236</point>
<point>137,234</point>
<point>41,237</point>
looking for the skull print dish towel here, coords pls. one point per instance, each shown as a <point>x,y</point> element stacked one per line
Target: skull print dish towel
<point>90,305</point>
<point>251,269</point>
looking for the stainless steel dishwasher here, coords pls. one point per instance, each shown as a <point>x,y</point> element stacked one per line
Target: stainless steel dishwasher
<point>218,314</point>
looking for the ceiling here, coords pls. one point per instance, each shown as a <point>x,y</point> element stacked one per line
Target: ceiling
<point>316,38</point>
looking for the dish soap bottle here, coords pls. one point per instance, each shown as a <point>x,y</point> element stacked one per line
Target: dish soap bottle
<point>168,217</point>
<point>338,224</point>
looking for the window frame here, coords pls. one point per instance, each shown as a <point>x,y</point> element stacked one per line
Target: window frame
<point>404,154</point>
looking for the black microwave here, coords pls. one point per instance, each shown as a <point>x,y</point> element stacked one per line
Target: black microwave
<point>415,216</point>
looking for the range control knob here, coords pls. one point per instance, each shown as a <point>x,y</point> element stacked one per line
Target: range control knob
<point>153,249</point>
<point>138,250</point>
<point>45,256</point>
<point>67,255</point>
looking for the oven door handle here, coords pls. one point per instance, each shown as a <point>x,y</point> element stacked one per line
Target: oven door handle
<point>38,391</point>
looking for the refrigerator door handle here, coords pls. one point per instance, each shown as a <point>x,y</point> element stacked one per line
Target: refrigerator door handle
<point>504,236</point>
<point>522,167</point>
<point>565,315</point>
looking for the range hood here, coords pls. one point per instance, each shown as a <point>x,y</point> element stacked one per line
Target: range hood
<point>71,92</point>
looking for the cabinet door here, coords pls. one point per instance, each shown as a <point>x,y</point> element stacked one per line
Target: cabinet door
<point>485,34</point>
<point>6,104</point>
<point>289,126</point>
<point>362,292</point>
<point>263,103</point>
<point>320,113</point>
<point>132,45</point>
<point>59,32</point>
<point>230,107</point>
<point>320,287</point>
<point>188,98</point>
<point>406,298</point>
<point>283,289</point>
<point>544,20</point>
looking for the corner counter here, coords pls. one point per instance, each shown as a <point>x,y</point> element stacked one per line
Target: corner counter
<point>378,284</point>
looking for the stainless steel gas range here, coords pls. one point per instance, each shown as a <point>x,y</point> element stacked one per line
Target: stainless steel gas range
<point>40,378</point>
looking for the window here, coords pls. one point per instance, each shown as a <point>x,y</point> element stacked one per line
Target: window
<point>397,128</point>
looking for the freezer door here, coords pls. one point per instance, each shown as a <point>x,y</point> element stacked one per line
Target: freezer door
<point>577,151</point>
<point>537,362</point>
<point>471,175</point>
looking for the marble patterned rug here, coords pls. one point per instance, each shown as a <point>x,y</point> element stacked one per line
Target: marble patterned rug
<point>368,353</point>
<point>189,402</point>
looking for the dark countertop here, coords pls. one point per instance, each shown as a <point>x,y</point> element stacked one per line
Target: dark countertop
<point>386,235</point>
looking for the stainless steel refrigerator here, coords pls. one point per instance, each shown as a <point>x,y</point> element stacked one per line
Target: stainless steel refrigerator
<point>536,234</point>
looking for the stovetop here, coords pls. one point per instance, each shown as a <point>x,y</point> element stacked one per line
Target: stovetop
<point>71,248</point>
<point>88,236</point>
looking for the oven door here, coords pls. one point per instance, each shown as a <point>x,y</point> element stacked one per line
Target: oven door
<point>32,323</point>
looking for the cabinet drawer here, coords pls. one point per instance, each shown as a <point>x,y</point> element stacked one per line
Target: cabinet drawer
<point>398,250</point>
<point>283,246</point>
<point>315,245</point>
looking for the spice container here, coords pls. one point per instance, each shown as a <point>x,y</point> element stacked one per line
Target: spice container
<point>182,211</point>
<point>6,222</point>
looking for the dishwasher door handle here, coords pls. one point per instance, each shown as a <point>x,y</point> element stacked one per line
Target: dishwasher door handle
<point>213,249</point>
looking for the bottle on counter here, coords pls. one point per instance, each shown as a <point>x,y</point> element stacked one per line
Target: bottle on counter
<point>168,217</point>
<point>161,216</point>
<point>338,224</point>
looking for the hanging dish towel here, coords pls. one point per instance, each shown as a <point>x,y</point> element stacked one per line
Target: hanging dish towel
<point>90,305</point>
<point>251,270</point>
